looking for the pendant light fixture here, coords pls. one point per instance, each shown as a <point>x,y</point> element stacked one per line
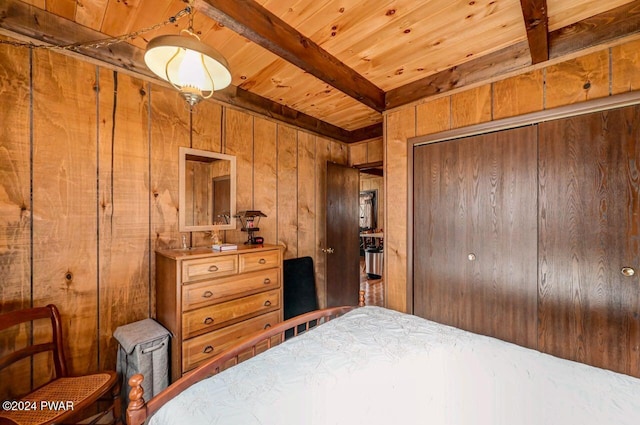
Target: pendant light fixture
<point>189,65</point>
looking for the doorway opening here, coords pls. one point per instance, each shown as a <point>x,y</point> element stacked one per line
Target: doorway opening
<point>371,237</point>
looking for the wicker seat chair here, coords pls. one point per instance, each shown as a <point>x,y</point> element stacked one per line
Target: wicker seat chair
<point>76,393</point>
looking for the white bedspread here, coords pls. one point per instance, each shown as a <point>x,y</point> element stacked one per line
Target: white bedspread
<point>377,366</point>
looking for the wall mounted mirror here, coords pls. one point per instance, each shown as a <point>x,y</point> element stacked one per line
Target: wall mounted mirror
<point>207,190</point>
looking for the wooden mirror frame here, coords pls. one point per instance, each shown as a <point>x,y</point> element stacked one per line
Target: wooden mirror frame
<point>183,227</point>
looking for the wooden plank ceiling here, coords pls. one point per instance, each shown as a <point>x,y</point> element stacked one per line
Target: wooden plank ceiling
<point>334,66</point>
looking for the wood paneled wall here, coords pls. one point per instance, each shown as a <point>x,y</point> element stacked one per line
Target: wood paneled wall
<point>89,189</point>
<point>365,152</point>
<point>606,72</point>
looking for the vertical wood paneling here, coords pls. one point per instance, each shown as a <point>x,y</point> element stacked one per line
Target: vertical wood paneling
<point>339,153</point>
<point>64,201</point>
<point>433,116</point>
<point>15,209</point>
<point>624,67</point>
<point>264,167</point>
<point>471,106</point>
<point>123,216</point>
<point>375,151</point>
<point>239,142</point>
<point>323,154</point>
<point>169,131</point>
<point>400,125</point>
<point>518,95</point>
<point>577,80</point>
<point>206,134</point>
<point>287,190</point>
<point>365,152</point>
<point>306,194</point>
<point>358,153</point>
<point>207,123</point>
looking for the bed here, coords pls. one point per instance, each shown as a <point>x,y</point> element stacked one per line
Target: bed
<point>378,366</point>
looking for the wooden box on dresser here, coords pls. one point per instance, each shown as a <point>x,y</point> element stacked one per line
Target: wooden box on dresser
<point>209,299</point>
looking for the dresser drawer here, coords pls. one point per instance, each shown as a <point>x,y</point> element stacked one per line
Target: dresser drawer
<point>259,260</point>
<point>198,349</point>
<point>196,321</point>
<point>206,268</point>
<point>196,295</point>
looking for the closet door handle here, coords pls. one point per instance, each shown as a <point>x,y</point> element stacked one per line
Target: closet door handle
<point>207,349</point>
<point>628,271</point>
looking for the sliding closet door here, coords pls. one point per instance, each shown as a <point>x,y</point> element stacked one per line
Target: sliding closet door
<point>589,308</point>
<point>475,234</point>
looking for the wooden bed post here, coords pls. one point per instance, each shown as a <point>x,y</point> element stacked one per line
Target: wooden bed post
<point>361,299</point>
<point>136,411</point>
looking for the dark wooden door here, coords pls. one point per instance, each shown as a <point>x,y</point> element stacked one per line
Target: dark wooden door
<point>221,198</point>
<point>589,231</point>
<point>343,248</point>
<point>475,233</point>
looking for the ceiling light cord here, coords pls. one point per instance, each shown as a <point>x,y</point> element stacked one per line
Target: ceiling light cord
<point>187,11</point>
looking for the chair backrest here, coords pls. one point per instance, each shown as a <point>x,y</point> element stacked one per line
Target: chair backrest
<point>15,318</point>
<point>299,287</point>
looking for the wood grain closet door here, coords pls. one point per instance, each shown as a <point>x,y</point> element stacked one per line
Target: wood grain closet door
<point>589,230</point>
<point>475,234</point>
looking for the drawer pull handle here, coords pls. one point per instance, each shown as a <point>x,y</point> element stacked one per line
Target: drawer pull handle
<point>267,303</point>
<point>267,281</point>
<point>207,294</point>
<point>207,349</point>
<point>208,321</point>
<point>213,268</point>
<point>262,261</point>
<point>267,326</point>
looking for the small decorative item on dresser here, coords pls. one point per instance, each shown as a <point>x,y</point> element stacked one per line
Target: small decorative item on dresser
<point>250,221</point>
<point>224,247</point>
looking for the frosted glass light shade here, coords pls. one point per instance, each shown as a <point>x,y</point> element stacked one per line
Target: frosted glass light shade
<point>192,67</point>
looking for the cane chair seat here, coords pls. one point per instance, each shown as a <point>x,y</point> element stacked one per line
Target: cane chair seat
<point>64,398</point>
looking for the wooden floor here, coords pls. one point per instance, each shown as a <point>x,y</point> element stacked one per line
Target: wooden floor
<point>373,288</point>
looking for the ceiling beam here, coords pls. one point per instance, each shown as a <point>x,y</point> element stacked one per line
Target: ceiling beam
<point>536,23</point>
<point>599,29</point>
<point>605,27</point>
<point>257,24</point>
<point>21,20</point>
<point>485,67</point>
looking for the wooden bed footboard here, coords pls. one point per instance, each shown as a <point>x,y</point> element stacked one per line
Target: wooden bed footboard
<point>139,411</point>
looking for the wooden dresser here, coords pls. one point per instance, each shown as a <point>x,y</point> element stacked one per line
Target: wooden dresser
<point>209,299</point>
